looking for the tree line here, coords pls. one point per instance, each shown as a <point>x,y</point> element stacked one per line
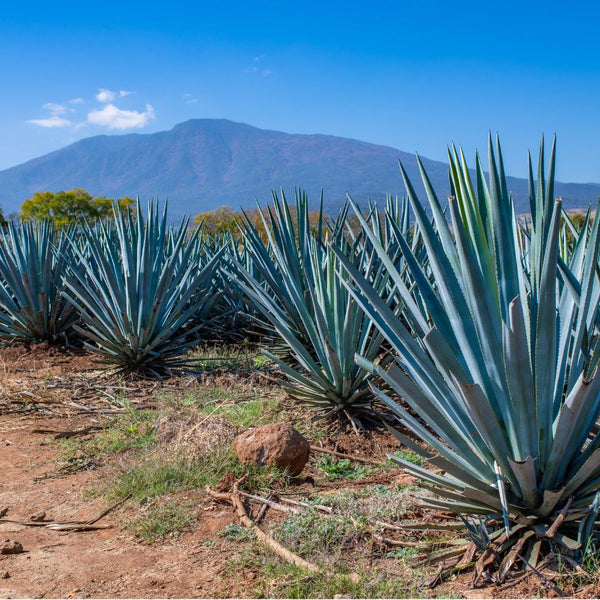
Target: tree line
<point>66,208</point>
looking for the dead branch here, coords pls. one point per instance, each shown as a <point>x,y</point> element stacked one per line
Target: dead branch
<point>321,507</point>
<point>361,459</point>
<point>391,542</point>
<point>271,503</point>
<point>235,500</point>
<point>58,435</point>
<point>556,589</point>
<point>108,510</point>
<point>262,510</point>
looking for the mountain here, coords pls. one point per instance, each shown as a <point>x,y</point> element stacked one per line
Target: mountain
<point>205,163</point>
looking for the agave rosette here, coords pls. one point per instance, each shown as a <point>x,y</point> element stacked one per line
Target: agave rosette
<point>301,294</point>
<point>137,288</point>
<point>33,259</point>
<point>499,359</point>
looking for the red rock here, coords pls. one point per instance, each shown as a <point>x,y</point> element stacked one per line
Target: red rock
<point>11,547</point>
<point>277,443</point>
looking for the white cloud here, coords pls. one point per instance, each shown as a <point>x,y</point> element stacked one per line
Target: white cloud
<point>106,96</point>
<point>257,67</point>
<point>189,99</point>
<point>113,117</point>
<point>55,109</point>
<point>77,100</point>
<point>55,119</point>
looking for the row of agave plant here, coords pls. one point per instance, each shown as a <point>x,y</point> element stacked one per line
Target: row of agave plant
<point>479,331</point>
<point>135,288</point>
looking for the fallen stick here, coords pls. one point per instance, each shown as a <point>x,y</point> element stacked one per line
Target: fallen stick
<point>57,525</point>
<point>266,538</point>
<point>262,510</point>
<point>385,525</point>
<point>271,503</point>
<point>391,542</point>
<point>108,510</point>
<point>321,507</point>
<point>347,456</point>
<point>68,434</point>
<point>556,589</point>
<point>235,500</point>
<point>75,527</point>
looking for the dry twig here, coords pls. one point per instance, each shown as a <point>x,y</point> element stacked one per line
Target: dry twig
<point>235,500</point>
<point>361,459</point>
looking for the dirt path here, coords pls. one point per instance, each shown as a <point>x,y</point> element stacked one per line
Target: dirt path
<point>104,563</point>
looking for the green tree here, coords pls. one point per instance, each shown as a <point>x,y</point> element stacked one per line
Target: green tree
<point>215,222</point>
<point>225,220</point>
<point>3,222</point>
<point>67,207</point>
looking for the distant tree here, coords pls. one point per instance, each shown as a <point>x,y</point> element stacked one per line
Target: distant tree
<point>3,222</point>
<point>216,222</point>
<point>225,220</point>
<point>65,208</point>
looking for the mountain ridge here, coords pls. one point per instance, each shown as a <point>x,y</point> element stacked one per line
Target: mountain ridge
<point>201,164</point>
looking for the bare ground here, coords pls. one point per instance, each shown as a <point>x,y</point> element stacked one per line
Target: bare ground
<point>43,392</point>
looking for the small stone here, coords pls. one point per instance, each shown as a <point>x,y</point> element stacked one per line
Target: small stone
<point>38,516</point>
<point>11,547</point>
<point>277,443</point>
<point>4,574</point>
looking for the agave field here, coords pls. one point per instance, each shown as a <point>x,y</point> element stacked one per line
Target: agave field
<point>471,332</point>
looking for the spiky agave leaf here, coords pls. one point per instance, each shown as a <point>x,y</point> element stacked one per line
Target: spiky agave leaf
<point>135,288</point>
<point>33,260</point>
<point>302,295</point>
<point>505,372</point>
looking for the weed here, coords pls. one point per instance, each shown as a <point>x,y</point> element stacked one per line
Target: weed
<point>409,456</point>
<point>168,474</point>
<point>378,502</point>
<point>404,554</point>
<point>281,580</point>
<point>237,533</point>
<point>242,358</point>
<point>342,469</point>
<point>133,431</point>
<point>313,534</point>
<point>161,519</point>
<point>242,405</point>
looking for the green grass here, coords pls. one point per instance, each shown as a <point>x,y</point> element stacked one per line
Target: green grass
<point>279,579</point>
<point>242,405</point>
<point>240,358</point>
<point>162,475</point>
<point>315,535</point>
<point>408,455</point>
<point>237,533</point>
<point>325,537</point>
<point>162,519</point>
<point>342,468</point>
<point>134,431</point>
<point>404,554</point>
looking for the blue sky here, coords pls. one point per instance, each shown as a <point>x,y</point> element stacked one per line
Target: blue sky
<point>415,76</point>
